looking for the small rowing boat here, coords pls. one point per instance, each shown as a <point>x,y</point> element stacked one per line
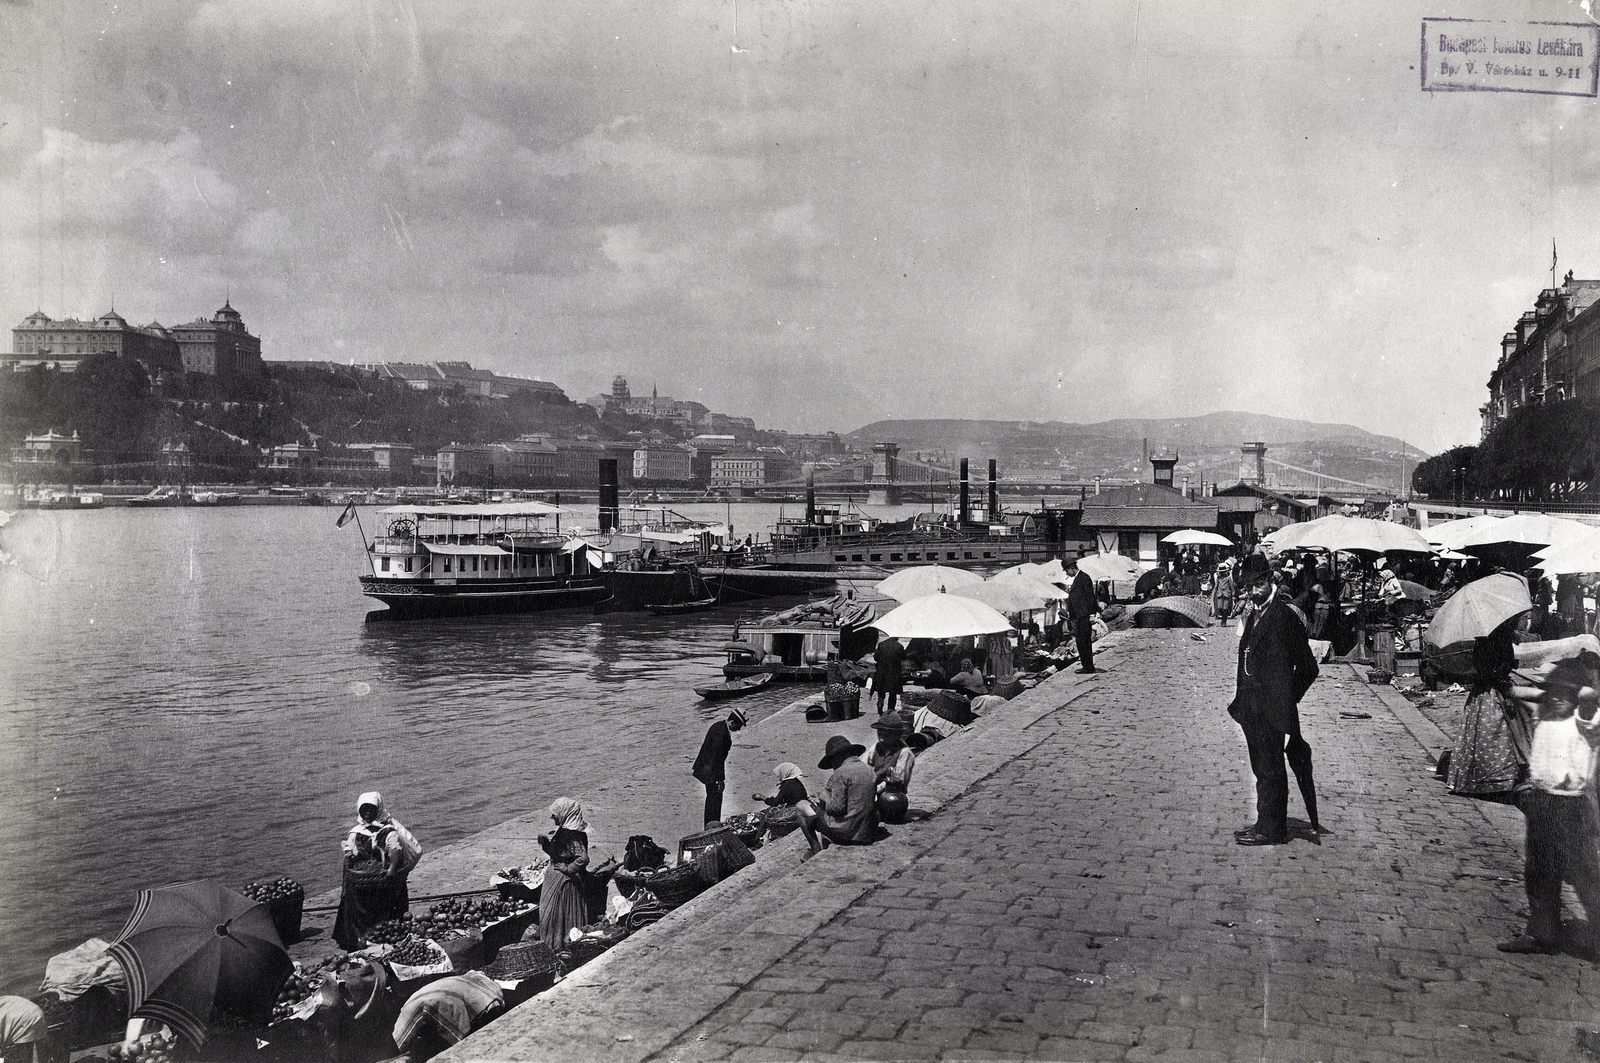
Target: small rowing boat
<point>734,687</point>
<point>674,608</point>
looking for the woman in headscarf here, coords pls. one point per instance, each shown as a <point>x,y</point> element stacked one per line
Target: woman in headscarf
<point>1490,758</point>
<point>379,854</point>
<point>573,894</point>
<point>791,791</point>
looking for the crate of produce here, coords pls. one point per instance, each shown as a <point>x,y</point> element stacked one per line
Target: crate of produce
<point>285,900</point>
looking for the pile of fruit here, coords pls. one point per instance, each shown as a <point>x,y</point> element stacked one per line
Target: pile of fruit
<point>460,913</point>
<point>279,889</point>
<point>464,914</point>
<point>302,983</point>
<point>417,952</point>
<point>151,1048</point>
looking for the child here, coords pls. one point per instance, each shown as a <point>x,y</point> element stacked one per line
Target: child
<point>1563,825</point>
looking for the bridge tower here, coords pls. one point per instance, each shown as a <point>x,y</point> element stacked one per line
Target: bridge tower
<point>884,487</point>
<point>1253,463</point>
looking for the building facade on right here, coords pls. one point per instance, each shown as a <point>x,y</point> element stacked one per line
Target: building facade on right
<point>1551,355</point>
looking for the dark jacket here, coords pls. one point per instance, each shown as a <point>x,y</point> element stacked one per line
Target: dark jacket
<point>1276,667</point>
<point>1081,601</point>
<point>709,766</point>
<point>888,675</point>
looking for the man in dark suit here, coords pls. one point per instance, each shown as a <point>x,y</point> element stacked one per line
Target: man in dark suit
<point>710,765</point>
<point>1276,668</point>
<point>1081,608</point>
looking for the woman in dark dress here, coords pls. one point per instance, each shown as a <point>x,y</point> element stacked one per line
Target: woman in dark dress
<point>573,894</point>
<point>791,791</point>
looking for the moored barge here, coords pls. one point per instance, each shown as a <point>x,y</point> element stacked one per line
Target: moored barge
<point>473,558</point>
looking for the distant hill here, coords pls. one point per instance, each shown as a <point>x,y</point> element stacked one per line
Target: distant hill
<point>1208,448</point>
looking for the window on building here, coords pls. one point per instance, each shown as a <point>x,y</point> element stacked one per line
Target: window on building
<point>385,565</point>
<point>447,564</point>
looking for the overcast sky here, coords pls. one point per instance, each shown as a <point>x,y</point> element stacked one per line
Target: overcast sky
<point>815,214</point>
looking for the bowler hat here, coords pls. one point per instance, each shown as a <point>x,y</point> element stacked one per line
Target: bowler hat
<point>837,751</point>
<point>1256,568</point>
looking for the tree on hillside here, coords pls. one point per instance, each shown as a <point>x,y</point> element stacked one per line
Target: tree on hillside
<point>113,409</point>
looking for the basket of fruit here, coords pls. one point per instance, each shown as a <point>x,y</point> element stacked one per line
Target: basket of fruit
<point>157,1047</point>
<point>286,902</point>
<point>418,958</point>
<point>391,931</point>
<point>518,883</point>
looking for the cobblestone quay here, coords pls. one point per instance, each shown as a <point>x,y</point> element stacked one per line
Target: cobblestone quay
<point>1075,894</point>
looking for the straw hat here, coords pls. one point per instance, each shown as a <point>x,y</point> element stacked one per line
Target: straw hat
<point>891,723</point>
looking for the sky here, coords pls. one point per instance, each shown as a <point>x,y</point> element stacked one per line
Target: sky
<point>814,214</point>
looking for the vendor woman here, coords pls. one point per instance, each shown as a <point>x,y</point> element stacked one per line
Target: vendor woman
<point>379,854</point>
<point>573,894</point>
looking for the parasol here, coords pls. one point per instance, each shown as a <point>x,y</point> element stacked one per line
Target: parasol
<point>1109,567</point>
<point>1362,535</point>
<point>1478,608</point>
<point>921,580</point>
<point>1512,540</point>
<point>1051,571</point>
<point>1009,596</point>
<point>1579,554</point>
<point>196,946</point>
<point>1038,585</point>
<point>941,616</point>
<point>1195,537</point>
<point>1288,537</point>
<point>1450,533</point>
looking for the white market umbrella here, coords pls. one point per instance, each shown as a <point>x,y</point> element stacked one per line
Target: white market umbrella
<point>1196,537</point>
<point>1524,529</point>
<point>1109,567</point>
<point>1035,585</point>
<point>1451,532</point>
<point>1580,554</point>
<point>1364,535</point>
<point>922,580</point>
<point>1288,537</point>
<point>941,616</point>
<point>1007,596</point>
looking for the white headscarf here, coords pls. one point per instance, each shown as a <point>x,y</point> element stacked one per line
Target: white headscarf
<point>787,771</point>
<point>375,799</point>
<point>568,813</point>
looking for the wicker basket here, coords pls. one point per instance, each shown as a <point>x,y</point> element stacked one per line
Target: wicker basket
<point>673,886</point>
<point>780,820</point>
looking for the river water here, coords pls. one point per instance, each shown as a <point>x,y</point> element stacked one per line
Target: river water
<point>191,693</point>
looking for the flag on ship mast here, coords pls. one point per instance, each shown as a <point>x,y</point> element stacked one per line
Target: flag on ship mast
<point>347,516</point>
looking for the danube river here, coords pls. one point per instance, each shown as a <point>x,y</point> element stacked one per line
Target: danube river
<point>190,693</point>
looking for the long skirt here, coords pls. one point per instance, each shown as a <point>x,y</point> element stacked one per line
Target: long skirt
<point>362,907</point>
<point>1485,762</point>
<point>562,906</point>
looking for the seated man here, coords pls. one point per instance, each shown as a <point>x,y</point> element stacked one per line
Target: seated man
<point>968,681</point>
<point>848,812</point>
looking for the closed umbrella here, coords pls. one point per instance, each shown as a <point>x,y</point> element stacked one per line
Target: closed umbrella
<point>193,948</point>
<point>1195,537</point>
<point>941,616</point>
<point>920,580</point>
<point>1478,608</point>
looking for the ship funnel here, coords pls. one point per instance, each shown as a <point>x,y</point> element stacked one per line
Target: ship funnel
<point>609,510</point>
<point>966,502</point>
<point>994,493</point>
<point>811,495</point>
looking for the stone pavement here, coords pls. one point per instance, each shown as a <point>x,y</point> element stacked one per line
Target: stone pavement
<point>1076,894</point>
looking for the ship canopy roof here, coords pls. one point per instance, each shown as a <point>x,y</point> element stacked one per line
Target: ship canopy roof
<point>479,510</point>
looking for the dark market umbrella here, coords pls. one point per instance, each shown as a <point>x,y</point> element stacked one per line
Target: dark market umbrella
<point>1478,608</point>
<point>197,946</point>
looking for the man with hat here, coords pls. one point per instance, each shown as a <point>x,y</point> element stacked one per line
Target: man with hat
<point>710,766</point>
<point>848,813</point>
<point>1276,668</point>
<point>1081,608</point>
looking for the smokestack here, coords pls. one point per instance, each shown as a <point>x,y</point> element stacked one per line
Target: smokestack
<point>1186,493</point>
<point>811,494</point>
<point>994,493</point>
<point>965,501</point>
<point>609,510</point>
